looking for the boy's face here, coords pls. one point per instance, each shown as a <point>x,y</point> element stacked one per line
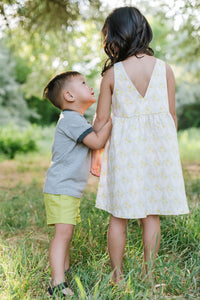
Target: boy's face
<point>81,91</point>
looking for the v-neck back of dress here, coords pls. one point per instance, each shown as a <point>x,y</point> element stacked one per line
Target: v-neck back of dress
<point>131,82</point>
<point>127,100</point>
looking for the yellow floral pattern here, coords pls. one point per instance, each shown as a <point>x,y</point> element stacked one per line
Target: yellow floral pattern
<point>141,170</point>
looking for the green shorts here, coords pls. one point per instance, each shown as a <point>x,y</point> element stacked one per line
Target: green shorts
<point>62,209</point>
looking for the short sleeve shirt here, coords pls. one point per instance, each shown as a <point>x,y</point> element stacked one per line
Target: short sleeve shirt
<point>70,163</point>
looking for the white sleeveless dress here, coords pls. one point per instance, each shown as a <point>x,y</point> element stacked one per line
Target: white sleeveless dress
<point>141,172</point>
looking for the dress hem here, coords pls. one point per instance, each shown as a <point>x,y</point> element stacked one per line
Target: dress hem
<point>144,216</point>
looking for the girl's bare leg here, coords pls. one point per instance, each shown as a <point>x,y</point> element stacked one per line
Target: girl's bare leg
<point>151,239</point>
<point>57,253</point>
<point>116,245</point>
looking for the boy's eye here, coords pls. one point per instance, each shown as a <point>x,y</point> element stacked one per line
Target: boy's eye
<point>84,82</point>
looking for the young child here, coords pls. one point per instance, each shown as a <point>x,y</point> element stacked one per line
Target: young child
<point>68,173</point>
<point>141,175</point>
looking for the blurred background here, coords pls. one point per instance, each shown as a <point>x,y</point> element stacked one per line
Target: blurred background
<point>39,39</point>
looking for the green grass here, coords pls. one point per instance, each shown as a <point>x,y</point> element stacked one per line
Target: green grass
<point>25,237</point>
<point>189,144</point>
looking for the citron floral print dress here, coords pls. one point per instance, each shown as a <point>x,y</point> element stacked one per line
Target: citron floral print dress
<point>141,172</point>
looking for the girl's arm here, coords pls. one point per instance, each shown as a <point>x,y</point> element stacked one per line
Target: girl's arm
<point>102,115</point>
<point>104,100</point>
<point>97,140</point>
<point>171,92</point>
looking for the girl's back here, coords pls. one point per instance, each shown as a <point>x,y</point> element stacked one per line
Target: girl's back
<point>141,171</point>
<point>140,71</point>
<point>140,87</point>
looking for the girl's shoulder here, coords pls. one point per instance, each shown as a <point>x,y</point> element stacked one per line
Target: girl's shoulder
<point>108,76</point>
<point>168,69</point>
<point>107,81</point>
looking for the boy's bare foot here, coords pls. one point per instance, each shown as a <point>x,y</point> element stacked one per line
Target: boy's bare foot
<point>68,292</point>
<point>61,289</point>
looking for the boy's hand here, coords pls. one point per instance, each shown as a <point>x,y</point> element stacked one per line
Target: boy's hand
<point>96,158</point>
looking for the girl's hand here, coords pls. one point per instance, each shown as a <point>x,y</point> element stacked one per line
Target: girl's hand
<point>96,158</point>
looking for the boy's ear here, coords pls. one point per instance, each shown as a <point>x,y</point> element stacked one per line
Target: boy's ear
<point>68,96</point>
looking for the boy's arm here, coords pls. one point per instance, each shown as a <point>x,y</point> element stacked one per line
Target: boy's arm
<point>97,140</point>
<point>171,93</point>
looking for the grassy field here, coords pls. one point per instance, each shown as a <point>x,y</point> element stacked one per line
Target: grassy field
<point>24,239</point>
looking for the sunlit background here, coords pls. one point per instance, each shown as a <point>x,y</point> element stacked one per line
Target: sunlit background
<point>41,38</point>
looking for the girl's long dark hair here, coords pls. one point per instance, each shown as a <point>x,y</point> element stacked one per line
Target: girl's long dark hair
<point>126,32</point>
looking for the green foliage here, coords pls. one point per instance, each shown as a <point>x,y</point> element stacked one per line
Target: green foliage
<point>22,68</point>
<point>75,49</point>
<point>185,24</point>
<point>189,116</point>
<point>181,49</point>
<point>38,15</point>
<point>46,112</point>
<point>14,140</point>
<point>187,93</point>
<point>13,107</point>
<point>187,37</point>
<point>72,41</point>
<point>189,145</point>
<point>161,36</point>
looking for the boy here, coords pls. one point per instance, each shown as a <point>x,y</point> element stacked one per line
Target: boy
<point>68,173</point>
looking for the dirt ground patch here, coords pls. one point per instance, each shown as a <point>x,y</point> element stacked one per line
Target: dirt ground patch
<point>192,169</point>
<point>13,172</point>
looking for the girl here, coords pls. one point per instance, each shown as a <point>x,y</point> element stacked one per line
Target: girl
<point>141,175</point>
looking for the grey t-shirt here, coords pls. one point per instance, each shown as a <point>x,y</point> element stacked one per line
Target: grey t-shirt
<point>70,163</point>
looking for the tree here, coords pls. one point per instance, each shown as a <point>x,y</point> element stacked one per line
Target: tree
<point>183,52</point>
<point>184,37</point>
<point>47,15</point>
<point>43,48</point>
<point>52,36</point>
<point>13,107</point>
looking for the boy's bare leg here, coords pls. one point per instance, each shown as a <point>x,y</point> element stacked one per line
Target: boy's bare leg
<point>116,245</point>
<point>57,253</point>
<point>67,259</point>
<point>151,239</point>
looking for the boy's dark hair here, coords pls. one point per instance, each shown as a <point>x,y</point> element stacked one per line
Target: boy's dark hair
<point>126,32</point>
<point>54,86</point>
